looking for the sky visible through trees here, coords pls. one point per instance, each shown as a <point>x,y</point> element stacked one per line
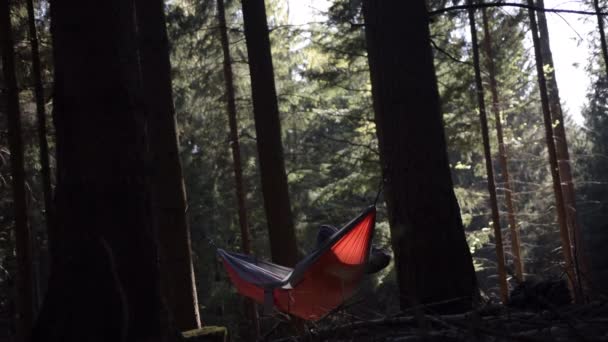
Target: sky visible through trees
<point>336,105</point>
<point>570,33</point>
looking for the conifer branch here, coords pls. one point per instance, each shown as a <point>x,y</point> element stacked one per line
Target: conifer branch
<point>509,4</point>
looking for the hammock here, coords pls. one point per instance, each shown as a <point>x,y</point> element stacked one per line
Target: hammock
<point>378,259</point>
<point>319,283</point>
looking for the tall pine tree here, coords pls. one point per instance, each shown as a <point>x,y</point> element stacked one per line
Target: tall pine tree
<point>23,237</point>
<point>569,266</point>
<point>433,261</point>
<point>168,191</point>
<point>268,135</point>
<point>579,253</point>
<point>483,118</point>
<point>104,284</point>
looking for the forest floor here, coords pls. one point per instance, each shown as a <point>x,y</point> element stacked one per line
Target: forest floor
<point>587,322</point>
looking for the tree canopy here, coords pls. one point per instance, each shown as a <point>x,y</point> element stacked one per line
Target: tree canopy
<point>330,116</point>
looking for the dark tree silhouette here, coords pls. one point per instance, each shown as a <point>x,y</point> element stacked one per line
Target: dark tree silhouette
<point>168,192</point>
<point>433,261</point>
<point>234,134</point>
<point>236,153</point>
<point>23,237</point>
<point>105,283</point>
<point>268,135</point>
<point>600,26</point>
<point>41,118</point>
<point>483,118</point>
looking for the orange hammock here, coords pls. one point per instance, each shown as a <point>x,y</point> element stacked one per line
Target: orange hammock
<point>316,285</point>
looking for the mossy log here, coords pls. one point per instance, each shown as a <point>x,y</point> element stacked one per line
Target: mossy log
<point>207,334</point>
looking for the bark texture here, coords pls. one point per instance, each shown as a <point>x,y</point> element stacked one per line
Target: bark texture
<point>105,283</point>
<point>268,135</point>
<point>579,254</point>
<point>23,236</point>
<point>166,180</point>
<point>551,151</point>
<point>433,261</point>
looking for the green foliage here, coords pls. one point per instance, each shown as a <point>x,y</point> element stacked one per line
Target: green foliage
<point>329,137</point>
<point>593,207</point>
<point>330,145</point>
<point>31,158</point>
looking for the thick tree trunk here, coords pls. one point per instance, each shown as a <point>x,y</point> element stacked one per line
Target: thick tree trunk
<point>600,26</point>
<point>23,237</point>
<point>268,135</point>
<point>236,156</point>
<point>252,313</point>
<point>168,191</point>
<point>41,118</point>
<point>105,283</point>
<point>563,157</point>
<point>502,152</point>
<point>433,261</point>
<point>551,150</point>
<point>500,255</point>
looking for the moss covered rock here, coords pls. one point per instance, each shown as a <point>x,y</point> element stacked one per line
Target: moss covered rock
<point>207,334</point>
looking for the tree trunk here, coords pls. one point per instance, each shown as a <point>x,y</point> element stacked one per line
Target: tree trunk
<point>433,261</point>
<point>236,156</point>
<point>500,256</point>
<point>168,191</point>
<point>502,152</point>
<point>105,283</point>
<point>23,248</point>
<point>268,135</point>
<point>41,118</point>
<point>551,150</point>
<point>600,25</point>
<point>563,158</point>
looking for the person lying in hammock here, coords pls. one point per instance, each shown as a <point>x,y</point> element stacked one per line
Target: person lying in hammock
<point>378,258</point>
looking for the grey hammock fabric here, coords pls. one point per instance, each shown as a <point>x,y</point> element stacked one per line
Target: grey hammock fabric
<point>378,257</point>
<point>258,272</point>
<point>269,275</point>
